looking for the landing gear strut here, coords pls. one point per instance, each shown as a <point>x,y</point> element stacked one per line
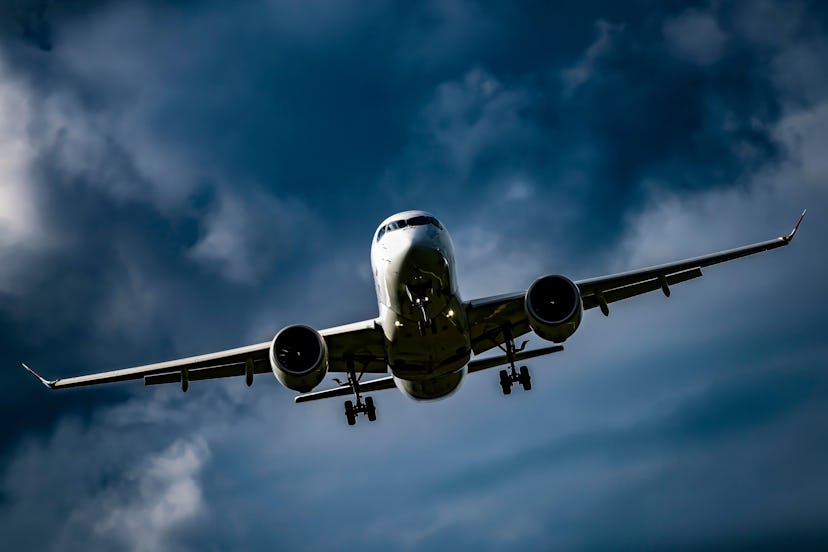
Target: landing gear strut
<point>366,406</point>
<point>420,293</point>
<point>512,375</point>
<point>426,323</point>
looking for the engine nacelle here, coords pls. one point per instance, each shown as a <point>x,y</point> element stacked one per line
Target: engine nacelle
<point>553,305</point>
<point>299,357</point>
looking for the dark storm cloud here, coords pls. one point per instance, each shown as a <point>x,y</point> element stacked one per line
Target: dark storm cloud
<point>192,177</point>
<point>730,409</point>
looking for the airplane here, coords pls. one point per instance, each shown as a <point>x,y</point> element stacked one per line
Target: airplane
<point>426,339</point>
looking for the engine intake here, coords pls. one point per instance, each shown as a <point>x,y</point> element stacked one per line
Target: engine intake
<point>299,357</point>
<point>554,308</point>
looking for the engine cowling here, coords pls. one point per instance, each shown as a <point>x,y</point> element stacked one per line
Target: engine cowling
<point>299,357</point>
<point>554,308</point>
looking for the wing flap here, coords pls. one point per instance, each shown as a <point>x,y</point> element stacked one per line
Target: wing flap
<point>486,363</point>
<point>216,372</point>
<point>378,384</point>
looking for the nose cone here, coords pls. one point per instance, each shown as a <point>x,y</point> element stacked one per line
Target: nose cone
<point>423,256</point>
<point>419,252</point>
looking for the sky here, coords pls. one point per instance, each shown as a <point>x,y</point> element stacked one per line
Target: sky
<point>182,177</point>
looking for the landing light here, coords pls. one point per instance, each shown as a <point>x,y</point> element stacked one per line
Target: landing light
<point>450,313</point>
<point>398,324</point>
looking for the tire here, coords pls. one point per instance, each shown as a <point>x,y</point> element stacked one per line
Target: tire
<point>371,410</point>
<point>505,382</point>
<point>350,415</point>
<point>525,379</point>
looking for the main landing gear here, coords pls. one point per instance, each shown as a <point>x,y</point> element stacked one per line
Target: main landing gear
<point>512,375</point>
<point>367,406</point>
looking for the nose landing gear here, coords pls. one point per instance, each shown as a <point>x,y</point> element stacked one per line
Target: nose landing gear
<point>352,410</point>
<point>420,293</point>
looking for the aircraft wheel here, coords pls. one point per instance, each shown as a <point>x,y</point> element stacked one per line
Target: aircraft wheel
<point>525,379</point>
<point>370,409</point>
<point>505,382</point>
<point>350,415</point>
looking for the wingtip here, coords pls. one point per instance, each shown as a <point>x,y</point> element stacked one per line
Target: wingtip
<point>44,381</point>
<point>790,236</point>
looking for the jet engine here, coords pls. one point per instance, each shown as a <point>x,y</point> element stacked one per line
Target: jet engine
<point>553,306</point>
<point>299,357</point>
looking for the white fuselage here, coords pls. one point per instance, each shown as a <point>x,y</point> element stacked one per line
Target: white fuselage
<point>426,331</point>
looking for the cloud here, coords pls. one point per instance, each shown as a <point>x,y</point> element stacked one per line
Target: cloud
<point>582,72</point>
<point>444,33</point>
<point>247,235</point>
<point>22,232</point>
<point>467,119</point>
<point>472,129</point>
<point>180,152</point>
<point>770,22</point>
<point>695,36</point>
<point>131,487</point>
<point>167,493</point>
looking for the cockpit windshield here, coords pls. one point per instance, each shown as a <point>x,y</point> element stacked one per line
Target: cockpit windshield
<point>419,220</point>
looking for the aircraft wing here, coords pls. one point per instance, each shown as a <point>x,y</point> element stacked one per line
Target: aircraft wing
<point>364,341</point>
<point>488,316</point>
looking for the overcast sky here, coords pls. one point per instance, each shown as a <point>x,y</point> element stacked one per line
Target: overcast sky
<point>178,178</point>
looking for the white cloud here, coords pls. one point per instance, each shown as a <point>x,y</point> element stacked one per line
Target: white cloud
<point>466,117</point>
<point>115,481</point>
<point>24,233</point>
<point>583,71</point>
<point>695,36</point>
<point>17,212</point>
<point>164,493</point>
<point>490,263</point>
<point>805,134</point>
<point>246,234</point>
<point>797,71</point>
<point>112,144</point>
<point>518,189</point>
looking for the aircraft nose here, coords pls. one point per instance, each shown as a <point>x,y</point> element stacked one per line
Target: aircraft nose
<point>423,256</point>
<point>420,253</point>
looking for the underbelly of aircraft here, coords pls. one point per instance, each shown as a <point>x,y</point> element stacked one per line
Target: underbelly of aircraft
<point>432,388</point>
<point>443,349</point>
<point>429,366</point>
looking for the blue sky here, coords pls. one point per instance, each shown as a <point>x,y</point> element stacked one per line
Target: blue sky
<point>177,178</point>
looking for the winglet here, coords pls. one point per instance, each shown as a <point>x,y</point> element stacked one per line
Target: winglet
<point>790,236</point>
<point>47,383</point>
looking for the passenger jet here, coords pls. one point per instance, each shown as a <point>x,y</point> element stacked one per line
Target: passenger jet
<point>426,338</point>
